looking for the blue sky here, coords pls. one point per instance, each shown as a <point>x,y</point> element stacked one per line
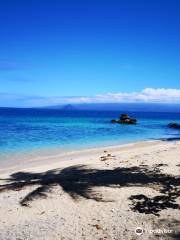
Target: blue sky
<point>51,49</point>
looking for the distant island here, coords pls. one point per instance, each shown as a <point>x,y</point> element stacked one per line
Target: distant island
<point>69,107</point>
<point>125,107</point>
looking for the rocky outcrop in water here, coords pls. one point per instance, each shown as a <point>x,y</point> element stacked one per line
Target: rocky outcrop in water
<point>124,119</point>
<point>174,125</point>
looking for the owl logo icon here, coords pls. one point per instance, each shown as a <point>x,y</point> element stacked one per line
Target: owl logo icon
<point>139,231</point>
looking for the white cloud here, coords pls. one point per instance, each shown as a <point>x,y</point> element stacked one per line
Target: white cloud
<point>159,95</point>
<point>148,95</point>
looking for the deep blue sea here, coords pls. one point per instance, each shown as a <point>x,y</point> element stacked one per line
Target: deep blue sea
<point>24,130</point>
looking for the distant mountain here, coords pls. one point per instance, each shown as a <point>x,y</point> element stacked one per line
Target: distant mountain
<point>68,107</point>
<point>132,107</point>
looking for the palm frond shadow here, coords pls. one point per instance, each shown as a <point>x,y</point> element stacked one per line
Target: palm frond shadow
<point>80,181</point>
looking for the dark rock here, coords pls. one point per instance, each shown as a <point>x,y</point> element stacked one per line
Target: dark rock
<point>133,119</point>
<point>129,121</point>
<point>174,125</point>
<point>171,139</point>
<point>114,121</point>
<point>124,119</point>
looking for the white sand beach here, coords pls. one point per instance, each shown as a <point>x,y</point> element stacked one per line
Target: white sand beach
<point>103,193</point>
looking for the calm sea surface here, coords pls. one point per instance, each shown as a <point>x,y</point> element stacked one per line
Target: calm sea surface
<point>26,130</point>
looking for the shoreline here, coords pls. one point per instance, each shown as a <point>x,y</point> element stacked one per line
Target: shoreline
<point>67,155</point>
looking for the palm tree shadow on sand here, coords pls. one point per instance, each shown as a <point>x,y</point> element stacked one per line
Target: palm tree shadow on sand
<point>80,180</point>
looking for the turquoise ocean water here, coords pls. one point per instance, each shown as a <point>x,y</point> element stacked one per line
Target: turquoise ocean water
<point>26,130</point>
